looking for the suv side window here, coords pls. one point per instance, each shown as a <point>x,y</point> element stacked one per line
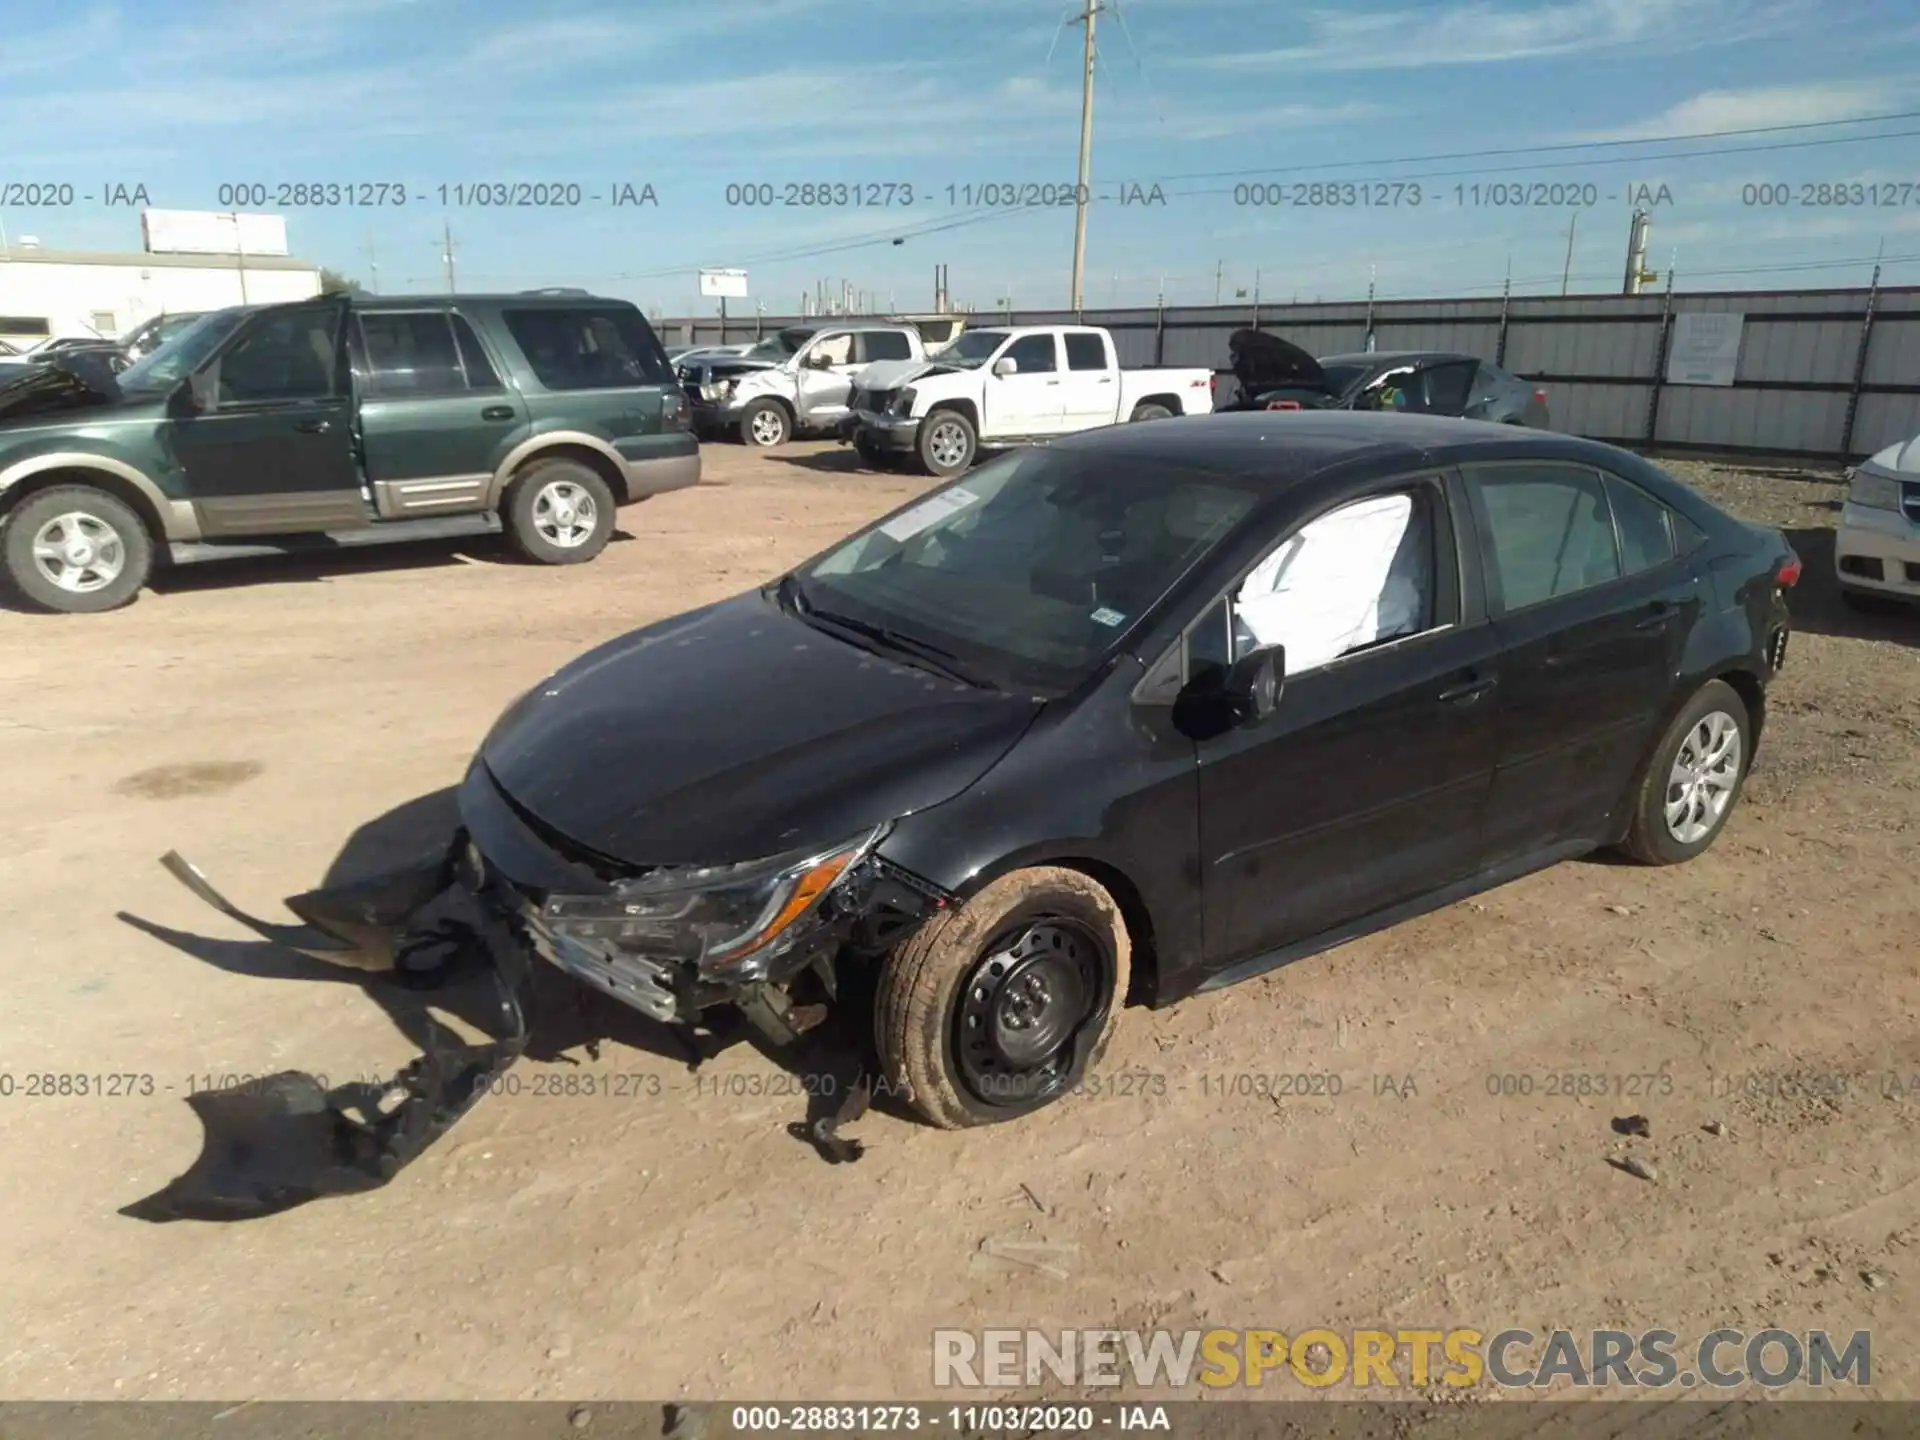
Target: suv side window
<point>1448,386</point>
<point>409,353</point>
<point>287,357</point>
<point>1034,354</point>
<point>473,357</point>
<point>884,345</point>
<point>1358,576</point>
<point>1084,352</point>
<point>589,347</point>
<point>1549,530</point>
<point>1645,525</point>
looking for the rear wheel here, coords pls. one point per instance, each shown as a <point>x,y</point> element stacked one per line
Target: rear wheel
<point>76,550</point>
<point>559,512</point>
<point>997,1008</point>
<point>947,443</point>
<point>1694,779</point>
<point>1151,411</point>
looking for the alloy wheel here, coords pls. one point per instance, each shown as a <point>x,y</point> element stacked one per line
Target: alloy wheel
<point>565,514</point>
<point>767,427</point>
<point>78,552</point>
<point>947,444</point>
<point>1705,771</point>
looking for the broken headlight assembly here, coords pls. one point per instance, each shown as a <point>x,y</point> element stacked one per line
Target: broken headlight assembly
<point>728,922</point>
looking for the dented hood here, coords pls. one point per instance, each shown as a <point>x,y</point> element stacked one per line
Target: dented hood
<point>75,381</point>
<point>892,374</point>
<point>736,732</point>
<point>1262,360</point>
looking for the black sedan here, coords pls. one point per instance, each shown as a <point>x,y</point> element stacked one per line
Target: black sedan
<point>1143,713</point>
<point>1272,373</point>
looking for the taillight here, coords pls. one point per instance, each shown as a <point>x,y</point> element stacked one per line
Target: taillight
<point>1789,572</point>
<point>1541,396</point>
<point>675,412</point>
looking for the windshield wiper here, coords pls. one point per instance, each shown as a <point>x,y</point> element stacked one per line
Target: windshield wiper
<point>931,656</point>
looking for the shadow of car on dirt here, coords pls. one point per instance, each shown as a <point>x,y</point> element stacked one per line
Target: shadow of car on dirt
<point>563,1020</point>
<point>320,565</point>
<point>1819,608</point>
<point>842,460</point>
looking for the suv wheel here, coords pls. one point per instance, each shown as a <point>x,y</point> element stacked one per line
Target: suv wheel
<point>1694,779</point>
<point>559,512</point>
<point>946,443</point>
<point>765,425</point>
<point>76,550</point>
<point>994,1009</point>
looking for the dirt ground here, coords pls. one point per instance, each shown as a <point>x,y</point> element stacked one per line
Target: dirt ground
<point>672,1239</point>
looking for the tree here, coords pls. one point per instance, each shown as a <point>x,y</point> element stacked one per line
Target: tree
<point>332,282</point>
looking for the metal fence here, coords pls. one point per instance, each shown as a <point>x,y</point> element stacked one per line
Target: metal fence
<point>1823,375</point>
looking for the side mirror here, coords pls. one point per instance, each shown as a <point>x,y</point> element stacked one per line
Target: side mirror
<point>819,360</point>
<point>1253,683</point>
<point>1006,365</point>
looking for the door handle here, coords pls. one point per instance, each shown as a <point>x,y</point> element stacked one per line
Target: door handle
<point>1466,691</point>
<point>497,412</point>
<point>314,427</point>
<point>1661,616</point>
<point>1053,382</point>
<point>1106,379</point>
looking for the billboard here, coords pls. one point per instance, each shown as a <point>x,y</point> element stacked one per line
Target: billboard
<point>723,284</point>
<point>212,232</point>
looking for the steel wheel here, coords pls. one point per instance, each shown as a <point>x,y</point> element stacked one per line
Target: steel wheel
<point>947,443</point>
<point>1705,773</point>
<point>79,553</point>
<point>1024,1002</point>
<point>565,514</point>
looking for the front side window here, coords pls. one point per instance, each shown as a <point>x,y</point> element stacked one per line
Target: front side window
<point>1358,576</point>
<point>836,349</point>
<point>280,358</point>
<point>1549,530</point>
<point>1034,354</point>
<point>1036,564</point>
<point>176,357</point>
<point>589,347</point>
<point>410,353</point>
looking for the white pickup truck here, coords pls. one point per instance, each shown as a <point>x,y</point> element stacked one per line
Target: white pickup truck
<point>1009,385</point>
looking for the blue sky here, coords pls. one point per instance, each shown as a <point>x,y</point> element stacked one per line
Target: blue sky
<point>1197,97</point>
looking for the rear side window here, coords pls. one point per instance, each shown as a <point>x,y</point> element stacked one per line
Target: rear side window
<point>1549,530</point>
<point>589,347</point>
<point>410,353</point>
<point>1646,535</point>
<point>1085,352</point>
<point>885,345</point>
<point>1448,386</point>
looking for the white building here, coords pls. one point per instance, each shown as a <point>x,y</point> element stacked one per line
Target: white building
<point>72,293</point>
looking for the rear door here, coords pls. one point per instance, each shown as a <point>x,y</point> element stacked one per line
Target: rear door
<point>436,419</point>
<point>1446,387</point>
<point>1592,608</point>
<point>1090,386</point>
<point>270,450</point>
<point>1027,402</point>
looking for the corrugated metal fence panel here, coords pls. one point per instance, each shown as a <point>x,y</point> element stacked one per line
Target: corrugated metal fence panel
<point>1607,412</point>
<point>1786,420</point>
<point>1885,420</point>
<point>1816,351</point>
<point>1895,356</point>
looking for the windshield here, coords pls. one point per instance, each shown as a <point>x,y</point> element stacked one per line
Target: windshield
<point>1032,568</point>
<point>780,345</point>
<point>181,352</point>
<point>973,349</point>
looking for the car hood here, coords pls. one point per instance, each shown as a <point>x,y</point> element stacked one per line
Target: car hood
<point>892,374</point>
<point>1902,459</point>
<point>1262,360</point>
<point>71,382</point>
<point>727,366</point>
<point>736,732</point>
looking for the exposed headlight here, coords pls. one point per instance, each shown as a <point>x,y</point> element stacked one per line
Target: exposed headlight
<point>729,921</point>
<point>903,403</point>
<point>1876,492</point>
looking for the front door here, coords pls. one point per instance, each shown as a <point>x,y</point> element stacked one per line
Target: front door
<point>269,450</point>
<point>824,390</point>
<point>1592,610</point>
<point>1366,786</point>
<point>1029,401</point>
<point>435,418</point>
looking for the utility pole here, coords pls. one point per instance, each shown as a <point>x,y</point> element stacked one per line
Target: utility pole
<point>1219,270</point>
<point>1083,193</point>
<point>446,255</point>
<point>1566,271</point>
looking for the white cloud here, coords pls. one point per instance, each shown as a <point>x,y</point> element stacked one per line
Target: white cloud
<point>1808,104</point>
<point>1486,32</point>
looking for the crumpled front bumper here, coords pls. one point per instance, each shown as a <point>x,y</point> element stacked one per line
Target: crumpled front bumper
<point>883,432</point>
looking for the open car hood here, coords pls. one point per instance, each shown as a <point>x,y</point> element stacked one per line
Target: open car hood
<point>892,374</point>
<point>1902,460</point>
<point>70,382</point>
<point>1263,361</point>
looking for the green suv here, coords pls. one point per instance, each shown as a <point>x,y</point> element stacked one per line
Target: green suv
<point>283,429</point>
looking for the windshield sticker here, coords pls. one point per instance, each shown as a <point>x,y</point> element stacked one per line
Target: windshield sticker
<point>928,513</point>
<point>1104,616</point>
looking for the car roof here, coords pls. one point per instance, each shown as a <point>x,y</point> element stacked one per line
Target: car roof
<point>1392,357</point>
<point>1281,448</point>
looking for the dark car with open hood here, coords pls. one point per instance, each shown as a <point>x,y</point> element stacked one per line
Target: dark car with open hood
<point>1272,373</point>
<point>1142,713</point>
<point>334,422</point>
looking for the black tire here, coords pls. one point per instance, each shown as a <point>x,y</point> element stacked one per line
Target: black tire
<point>929,983</point>
<point>946,444</point>
<point>1650,839</point>
<point>1150,411</point>
<point>871,455</point>
<point>526,516</point>
<point>107,522</point>
<point>765,425</point>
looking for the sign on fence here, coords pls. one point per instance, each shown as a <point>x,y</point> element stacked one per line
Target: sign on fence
<point>1706,347</point>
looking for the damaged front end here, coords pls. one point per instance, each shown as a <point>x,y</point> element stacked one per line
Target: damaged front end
<point>782,941</point>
